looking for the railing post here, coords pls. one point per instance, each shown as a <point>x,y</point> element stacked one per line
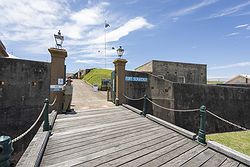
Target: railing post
<point>5,151</point>
<point>202,130</point>
<point>145,105</point>
<point>46,126</point>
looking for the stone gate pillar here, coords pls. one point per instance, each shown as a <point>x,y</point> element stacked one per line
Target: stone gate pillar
<point>57,78</point>
<point>120,79</point>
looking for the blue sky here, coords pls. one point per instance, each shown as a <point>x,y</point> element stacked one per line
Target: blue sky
<point>212,32</point>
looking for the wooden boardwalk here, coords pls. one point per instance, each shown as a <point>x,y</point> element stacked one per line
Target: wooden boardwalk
<point>117,136</point>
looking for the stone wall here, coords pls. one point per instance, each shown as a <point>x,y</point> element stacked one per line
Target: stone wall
<point>160,91</point>
<point>181,72</point>
<point>231,103</point>
<point>157,89</point>
<point>136,89</point>
<point>24,86</point>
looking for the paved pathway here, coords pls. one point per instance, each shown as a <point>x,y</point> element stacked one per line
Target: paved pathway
<point>85,98</point>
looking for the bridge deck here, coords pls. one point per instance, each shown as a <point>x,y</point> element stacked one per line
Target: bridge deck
<point>119,137</point>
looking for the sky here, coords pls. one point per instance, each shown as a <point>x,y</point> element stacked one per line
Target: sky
<point>212,32</point>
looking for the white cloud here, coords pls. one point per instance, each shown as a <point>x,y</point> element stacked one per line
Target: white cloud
<point>193,8</point>
<point>230,11</point>
<point>233,34</point>
<point>124,30</point>
<point>89,61</point>
<point>241,64</point>
<point>242,26</point>
<point>34,23</point>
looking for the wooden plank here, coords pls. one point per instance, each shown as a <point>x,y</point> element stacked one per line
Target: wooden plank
<point>86,123</point>
<point>117,125</point>
<point>76,113</point>
<point>168,154</point>
<point>99,118</point>
<point>178,161</point>
<point>216,160</point>
<point>93,139</point>
<point>95,147</point>
<point>242,165</point>
<point>90,111</point>
<point>229,162</point>
<point>168,145</point>
<point>165,152</point>
<point>73,131</point>
<point>127,151</point>
<point>55,142</point>
<point>92,115</point>
<point>200,158</point>
<point>104,150</point>
<point>95,143</point>
<point>110,153</point>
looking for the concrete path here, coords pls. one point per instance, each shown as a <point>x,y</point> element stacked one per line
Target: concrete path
<point>85,98</point>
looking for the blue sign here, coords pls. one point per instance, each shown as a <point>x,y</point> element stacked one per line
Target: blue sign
<point>136,79</point>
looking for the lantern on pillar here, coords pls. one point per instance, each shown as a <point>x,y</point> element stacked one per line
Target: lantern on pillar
<point>120,51</point>
<point>59,40</point>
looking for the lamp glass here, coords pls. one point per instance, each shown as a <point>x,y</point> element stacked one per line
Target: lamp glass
<point>120,51</point>
<point>59,39</point>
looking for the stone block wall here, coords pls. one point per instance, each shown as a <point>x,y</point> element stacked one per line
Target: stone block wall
<point>230,103</point>
<point>181,72</point>
<point>24,86</point>
<point>135,89</point>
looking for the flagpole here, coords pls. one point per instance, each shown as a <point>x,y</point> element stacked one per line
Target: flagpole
<point>105,43</point>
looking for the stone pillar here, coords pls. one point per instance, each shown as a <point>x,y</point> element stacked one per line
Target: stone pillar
<point>120,79</point>
<point>57,72</point>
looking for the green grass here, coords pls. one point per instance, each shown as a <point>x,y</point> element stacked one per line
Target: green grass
<point>95,76</point>
<point>239,141</point>
<point>215,82</point>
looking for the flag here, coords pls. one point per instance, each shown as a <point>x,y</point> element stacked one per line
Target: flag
<point>106,25</point>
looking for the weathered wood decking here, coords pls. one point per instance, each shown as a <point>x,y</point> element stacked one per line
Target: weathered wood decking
<point>119,137</point>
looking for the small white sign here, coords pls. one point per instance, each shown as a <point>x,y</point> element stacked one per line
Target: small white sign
<point>60,81</point>
<point>56,88</point>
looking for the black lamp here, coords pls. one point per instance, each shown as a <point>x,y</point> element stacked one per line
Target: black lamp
<point>120,51</point>
<point>59,40</point>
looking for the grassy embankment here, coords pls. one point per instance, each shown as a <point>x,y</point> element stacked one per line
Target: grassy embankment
<point>239,141</point>
<point>95,76</point>
<point>215,82</point>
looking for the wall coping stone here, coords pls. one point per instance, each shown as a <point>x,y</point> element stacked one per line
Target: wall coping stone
<point>132,109</point>
<point>229,152</point>
<point>173,127</point>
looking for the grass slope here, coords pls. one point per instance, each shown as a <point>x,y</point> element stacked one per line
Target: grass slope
<point>239,141</point>
<point>215,82</point>
<point>95,76</point>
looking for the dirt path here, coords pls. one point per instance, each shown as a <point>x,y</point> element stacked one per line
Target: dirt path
<point>85,98</point>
